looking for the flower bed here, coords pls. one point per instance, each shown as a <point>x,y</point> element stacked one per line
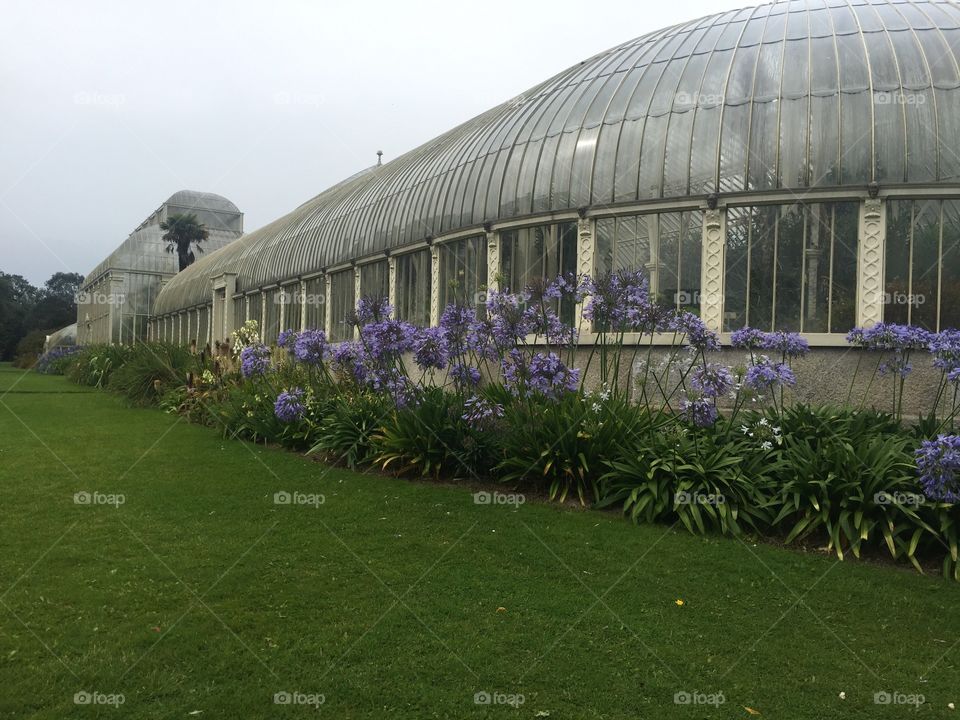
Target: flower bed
<point>689,441</point>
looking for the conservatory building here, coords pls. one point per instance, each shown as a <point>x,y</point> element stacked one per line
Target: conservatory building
<point>794,165</point>
<point>117,298</point>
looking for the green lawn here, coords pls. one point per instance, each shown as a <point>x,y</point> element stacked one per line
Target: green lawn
<point>199,597</point>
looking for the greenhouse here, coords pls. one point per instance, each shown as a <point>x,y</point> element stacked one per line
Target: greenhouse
<point>793,165</point>
<point>116,300</point>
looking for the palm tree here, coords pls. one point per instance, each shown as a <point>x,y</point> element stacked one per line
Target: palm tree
<point>182,231</point>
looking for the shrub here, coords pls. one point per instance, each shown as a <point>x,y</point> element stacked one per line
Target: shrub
<point>712,482</point>
<point>432,437</point>
<point>561,445</point>
<point>94,364</point>
<point>346,431</point>
<point>149,370</point>
<point>56,360</point>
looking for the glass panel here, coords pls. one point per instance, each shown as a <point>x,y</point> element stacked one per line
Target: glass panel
<point>855,161</point>
<point>414,279</point>
<point>843,292</point>
<point>651,157</point>
<point>950,269</point>
<point>315,299</point>
<point>463,272</point>
<point>737,258</point>
<point>948,118</point>
<point>540,253</point>
<point>824,140</point>
<point>239,311</point>
<point>763,146</point>
<point>342,305</point>
<point>925,271</point>
<point>290,295</point>
<point>897,261</point>
<point>691,247</point>
<point>271,322</point>
<point>733,151</point>
<point>668,257</point>
<point>789,263</point>
<point>375,279</point>
<point>762,250</point>
<point>676,162</point>
<point>255,308</point>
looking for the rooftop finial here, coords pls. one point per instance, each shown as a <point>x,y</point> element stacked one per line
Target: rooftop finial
<point>379,157</point>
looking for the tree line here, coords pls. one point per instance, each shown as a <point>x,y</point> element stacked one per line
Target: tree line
<point>28,313</point>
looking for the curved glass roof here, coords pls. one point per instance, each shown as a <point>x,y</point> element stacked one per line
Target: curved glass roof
<point>797,94</point>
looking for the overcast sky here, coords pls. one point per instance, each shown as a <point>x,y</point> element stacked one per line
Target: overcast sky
<point>108,108</point>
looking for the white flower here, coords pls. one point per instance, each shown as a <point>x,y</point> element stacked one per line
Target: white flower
<point>763,421</point>
<point>766,445</point>
<point>595,407</point>
<point>744,429</point>
<point>843,696</point>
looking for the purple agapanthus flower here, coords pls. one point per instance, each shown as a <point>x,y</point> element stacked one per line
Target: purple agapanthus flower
<point>712,380</point>
<point>945,348</point>
<point>349,358</point>
<point>465,376</point>
<point>456,321</point>
<point>699,411</point>
<point>311,347</point>
<point>430,348</point>
<point>766,375</point>
<point>748,338</point>
<point>890,336</point>
<point>479,412</point>
<point>697,333</point>
<point>286,339</point>
<point>621,302</point>
<point>254,360</point>
<point>387,340</point>
<point>938,465</point>
<point>545,323</point>
<point>550,377</point>
<point>372,309</point>
<point>509,322</point>
<point>289,406</point>
<point>788,344</point>
<point>899,340</point>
